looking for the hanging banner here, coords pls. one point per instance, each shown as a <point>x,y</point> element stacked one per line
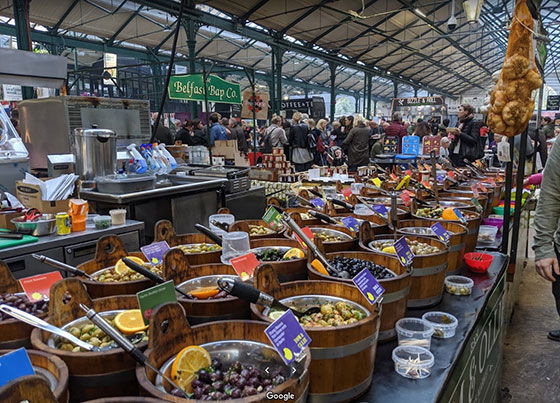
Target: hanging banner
<point>109,63</point>
<point>191,88</point>
<point>261,105</point>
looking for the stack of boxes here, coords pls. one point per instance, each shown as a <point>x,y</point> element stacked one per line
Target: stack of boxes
<point>277,160</point>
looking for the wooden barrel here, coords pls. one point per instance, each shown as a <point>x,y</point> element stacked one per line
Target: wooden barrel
<point>379,225</point>
<point>126,399</point>
<point>489,194</point>
<point>13,333</point>
<point>176,267</point>
<point>108,251</point>
<point>403,212</point>
<point>482,199</point>
<point>92,374</point>
<point>299,211</point>
<point>286,270</point>
<point>428,271</point>
<point>28,388</point>
<point>456,242</point>
<point>349,244</point>
<point>51,368</point>
<point>342,358</point>
<point>245,226</point>
<point>164,231</point>
<point>170,333</point>
<point>396,289</point>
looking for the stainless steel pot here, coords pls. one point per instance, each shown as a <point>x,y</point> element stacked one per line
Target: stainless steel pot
<point>96,152</point>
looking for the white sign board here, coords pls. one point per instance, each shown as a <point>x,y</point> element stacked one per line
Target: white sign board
<point>109,63</point>
<point>11,92</point>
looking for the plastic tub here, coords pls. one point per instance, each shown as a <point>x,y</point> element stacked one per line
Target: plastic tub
<point>219,223</point>
<point>414,332</point>
<point>495,221</point>
<point>362,209</point>
<point>118,216</point>
<point>234,244</point>
<point>102,221</point>
<point>444,323</point>
<point>459,285</point>
<point>413,362</point>
<point>478,262</point>
<point>487,233</point>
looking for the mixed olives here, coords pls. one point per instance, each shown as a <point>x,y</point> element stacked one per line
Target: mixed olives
<point>339,314</point>
<point>111,276</point>
<point>429,212</point>
<point>239,380</point>
<point>346,267</point>
<point>199,248</point>
<point>20,301</point>
<point>259,230</point>
<point>416,247</point>
<point>272,255</point>
<point>328,237</point>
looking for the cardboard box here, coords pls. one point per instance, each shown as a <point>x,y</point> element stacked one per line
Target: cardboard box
<point>6,217</point>
<point>30,197</point>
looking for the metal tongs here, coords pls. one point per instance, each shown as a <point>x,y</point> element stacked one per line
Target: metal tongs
<point>60,265</point>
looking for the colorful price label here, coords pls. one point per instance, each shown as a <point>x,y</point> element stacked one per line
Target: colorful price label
<point>154,252</point>
<point>403,252</point>
<point>306,231</point>
<point>287,336</point>
<point>368,286</point>
<point>408,172</point>
<point>376,182</point>
<point>380,209</point>
<point>318,202</point>
<point>394,177</point>
<point>482,187</point>
<point>426,185</point>
<point>492,181</point>
<point>459,215</point>
<point>272,217</point>
<point>403,183</point>
<point>347,192</point>
<point>37,288</point>
<point>477,204</point>
<point>441,232</point>
<point>245,265</point>
<point>405,197</point>
<point>475,191</point>
<point>351,223</point>
<point>451,174</point>
<point>14,365</point>
<point>152,297</point>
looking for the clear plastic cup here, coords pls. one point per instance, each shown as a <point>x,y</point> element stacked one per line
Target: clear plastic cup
<point>458,285</point>
<point>414,332</point>
<point>413,362</point>
<point>118,216</point>
<point>444,323</point>
<point>220,222</point>
<point>234,244</point>
<point>362,209</point>
<point>356,188</point>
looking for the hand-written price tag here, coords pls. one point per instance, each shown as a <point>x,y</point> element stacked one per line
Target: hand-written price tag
<point>405,197</point>
<point>404,253</point>
<point>459,215</point>
<point>475,191</point>
<point>154,252</point>
<point>152,297</point>
<point>482,187</point>
<point>440,232</point>
<point>272,217</point>
<point>13,365</point>
<point>440,178</point>
<point>347,192</point>
<point>245,265</point>
<point>351,223</point>
<point>287,336</point>
<point>377,182</point>
<point>368,286</point>
<point>380,209</point>
<point>318,202</point>
<point>477,204</point>
<point>306,231</point>
<point>37,287</point>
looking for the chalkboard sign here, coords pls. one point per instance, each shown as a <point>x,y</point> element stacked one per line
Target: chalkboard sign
<point>390,145</point>
<point>553,103</point>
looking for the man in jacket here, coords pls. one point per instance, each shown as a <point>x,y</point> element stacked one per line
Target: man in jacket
<point>466,145</point>
<point>217,131</point>
<point>396,129</point>
<point>298,139</point>
<point>236,133</point>
<point>276,134</point>
<point>358,142</point>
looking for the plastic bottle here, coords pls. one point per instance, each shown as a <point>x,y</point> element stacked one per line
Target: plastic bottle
<point>131,166</point>
<point>140,163</point>
<point>162,159</point>
<point>170,158</point>
<point>159,167</point>
<point>152,167</point>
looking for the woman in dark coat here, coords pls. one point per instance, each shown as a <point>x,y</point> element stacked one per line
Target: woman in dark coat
<point>357,141</point>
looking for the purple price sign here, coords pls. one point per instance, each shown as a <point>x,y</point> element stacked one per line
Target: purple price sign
<point>154,252</point>
<point>441,233</point>
<point>368,286</point>
<point>287,336</point>
<point>404,253</point>
<point>318,202</point>
<point>380,209</point>
<point>351,223</point>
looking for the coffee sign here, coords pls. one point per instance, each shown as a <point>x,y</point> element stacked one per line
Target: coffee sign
<point>191,88</point>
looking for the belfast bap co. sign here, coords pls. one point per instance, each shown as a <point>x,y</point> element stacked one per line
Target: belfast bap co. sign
<point>191,88</point>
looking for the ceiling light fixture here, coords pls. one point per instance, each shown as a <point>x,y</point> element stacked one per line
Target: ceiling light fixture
<point>472,10</point>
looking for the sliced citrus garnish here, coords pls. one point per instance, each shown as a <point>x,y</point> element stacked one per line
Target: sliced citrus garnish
<point>389,249</point>
<point>294,253</point>
<point>317,265</point>
<point>449,214</point>
<point>121,267</point>
<point>205,292</point>
<point>130,322</point>
<point>189,360</point>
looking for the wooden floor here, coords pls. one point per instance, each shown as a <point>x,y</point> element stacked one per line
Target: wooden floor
<point>531,370</point>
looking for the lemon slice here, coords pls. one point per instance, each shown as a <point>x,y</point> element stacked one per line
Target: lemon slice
<point>294,253</point>
<point>389,249</point>
<point>189,360</point>
<point>275,314</point>
<point>121,267</point>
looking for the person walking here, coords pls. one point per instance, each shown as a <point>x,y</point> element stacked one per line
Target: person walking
<point>357,141</point>
<point>199,137</point>
<point>396,129</point>
<point>466,145</point>
<point>299,141</point>
<point>236,133</point>
<point>338,133</point>
<point>274,136</point>
<point>322,140</point>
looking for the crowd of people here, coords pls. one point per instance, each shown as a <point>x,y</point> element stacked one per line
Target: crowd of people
<point>353,140</point>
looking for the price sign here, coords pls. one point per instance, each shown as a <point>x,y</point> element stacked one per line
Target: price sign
<point>306,231</point>
<point>318,202</point>
<point>408,172</point>
<point>426,185</point>
<point>441,232</point>
<point>451,174</point>
<point>475,191</point>
<point>272,217</point>
<point>351,223</point>
<point>403,183</point>
<point>155,296</point>
<point>477,204</point>
<point>459,215</point>
<point>492,181</point>
<point>37,287</point>
<point>377,182</point>
<point>287,336</point>
<point>368,286</point>
<point>380,209</point>
<point>405,197</point>
<point>482,187</point>
<point>14,365</point>
<point>245,265</point>
<point>154,252</point>
<point>394,177</point>
<point>347,192</point>
<point>404,253</point>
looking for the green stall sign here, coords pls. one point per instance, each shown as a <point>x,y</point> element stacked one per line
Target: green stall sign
<point>191,88</point>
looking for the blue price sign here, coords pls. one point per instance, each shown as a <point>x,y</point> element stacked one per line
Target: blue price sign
<point>15,364</point>
<point>440,232</point>
<point>459,215</point>
<point>154,252</point>
<point>368,286</point>
<point>404,253</point>
<point>351,223</point>
<point>318,202</point>
<point>287,336</point>
<point>380,209</point>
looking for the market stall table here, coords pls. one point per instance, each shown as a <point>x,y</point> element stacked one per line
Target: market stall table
<point>467,366</point>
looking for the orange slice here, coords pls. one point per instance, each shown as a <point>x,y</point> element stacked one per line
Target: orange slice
<point>205,292</point>
<point>189,360</point>
<point>121,267</point>
<point>317,265</point>
<point>449,214</point>
<point>294,252</point>
<point>130,322</point>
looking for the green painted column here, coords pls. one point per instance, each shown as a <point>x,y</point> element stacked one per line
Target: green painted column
<point>415,92</point>
<point>279,54</point>
<point>395,89</point>
<point>375,107</point>
<point>333,66</point>
<point>22,36</point>
<point>272,84</point>
<point>368,96</point>
<point>365,95</point>
<point>191,29</point>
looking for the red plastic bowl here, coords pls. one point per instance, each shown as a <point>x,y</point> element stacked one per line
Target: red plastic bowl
<point>478,262</point>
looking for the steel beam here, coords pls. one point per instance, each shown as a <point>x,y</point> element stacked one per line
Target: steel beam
<point>209,41</point>
<point>64,15</point>
<point>132,16</point>
<point>253,10</point>
<point>303,16</point>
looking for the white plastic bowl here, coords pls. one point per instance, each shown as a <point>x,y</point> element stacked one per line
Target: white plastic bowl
<point>413,362</point>
<point>414,332</point>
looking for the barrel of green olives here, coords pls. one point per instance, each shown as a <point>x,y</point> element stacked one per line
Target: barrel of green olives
<point>257,229</point>
<point>109,250</point>
<point>232,345</point>
<point>305,217</point>
<point>342,356</point>
<point>456,242</point>
<point>50,367</point>
<point>334,237</point>
<point>428,266</point>
<point>221,306</point>
<point>126,399</point>
<point>287,270</point>
<point>396,282</point>
<point>198,247</point>
<point>92,374</point>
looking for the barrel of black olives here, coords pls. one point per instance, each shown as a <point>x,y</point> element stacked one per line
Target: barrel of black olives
<point>92,374</point>
<point>342,353</point>
<point>287,270</point>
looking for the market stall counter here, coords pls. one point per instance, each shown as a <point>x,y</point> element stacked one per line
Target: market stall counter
<point>467,366</point>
